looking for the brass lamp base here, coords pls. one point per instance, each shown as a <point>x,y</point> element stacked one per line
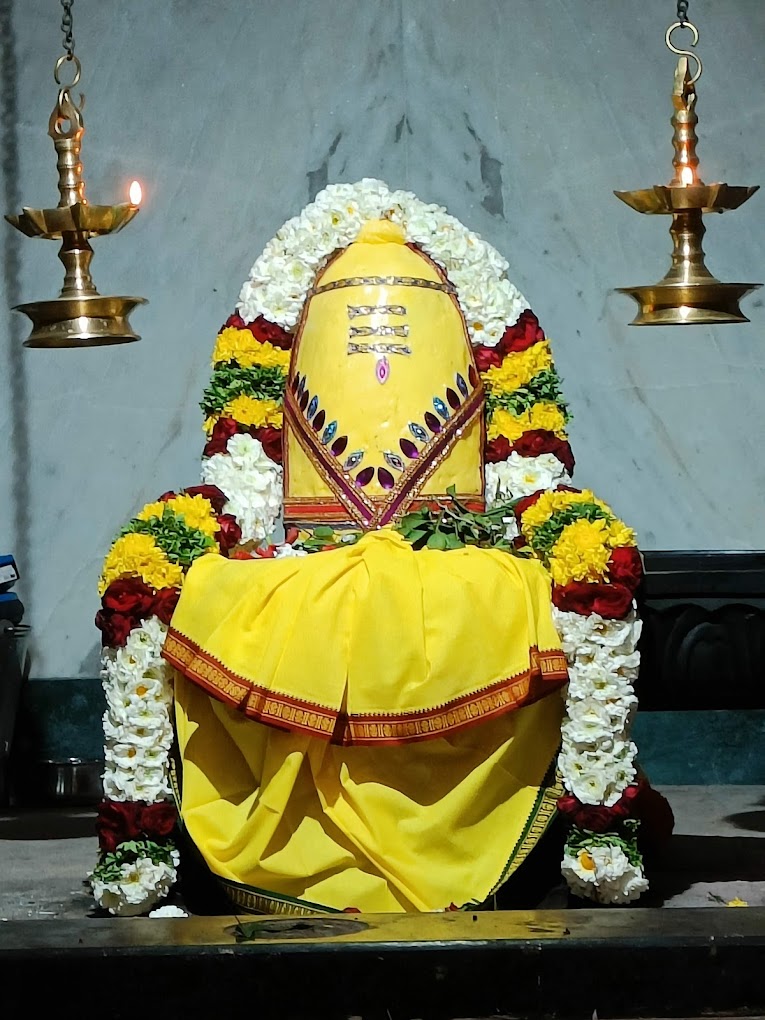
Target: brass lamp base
<point>678,304</point>
<point>85,321</point>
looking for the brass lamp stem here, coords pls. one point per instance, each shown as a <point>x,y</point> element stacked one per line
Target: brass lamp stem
<point>76,255</point>
<point>686,231</point>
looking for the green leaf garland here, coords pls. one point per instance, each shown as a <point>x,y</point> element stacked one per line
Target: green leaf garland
<point>230,380</point>
<point>180,543</point>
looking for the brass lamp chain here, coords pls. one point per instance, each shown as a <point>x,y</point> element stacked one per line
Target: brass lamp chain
<point>67,28</point>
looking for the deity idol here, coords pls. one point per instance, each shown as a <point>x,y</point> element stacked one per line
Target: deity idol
<point>369,715</point>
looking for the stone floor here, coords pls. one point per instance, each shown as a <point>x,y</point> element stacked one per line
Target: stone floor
<point>715,856</point>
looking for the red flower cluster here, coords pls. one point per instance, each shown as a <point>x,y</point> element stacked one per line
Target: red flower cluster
<point>524,334</point>
<point>225,428</point>
<point>611,601</point>
<point>262,330</point>
<point>598,817</point>
<point>531,444</point>
<point>118,821</point>
<point>126,602</point>
<point>639,801</point>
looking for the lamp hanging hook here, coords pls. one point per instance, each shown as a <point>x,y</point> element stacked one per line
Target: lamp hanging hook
<point>685,53</point>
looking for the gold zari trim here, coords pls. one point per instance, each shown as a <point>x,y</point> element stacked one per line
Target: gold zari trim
<point>378,331</point>
<point>354,311</point>
<point>379,348</point>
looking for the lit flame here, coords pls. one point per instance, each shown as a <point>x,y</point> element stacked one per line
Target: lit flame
<point>136,193</point>
<point>686,176</point>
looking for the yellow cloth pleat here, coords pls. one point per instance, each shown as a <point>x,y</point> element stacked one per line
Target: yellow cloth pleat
<point>414,827</point>
<point>375,629</point>
<point>437,813</point>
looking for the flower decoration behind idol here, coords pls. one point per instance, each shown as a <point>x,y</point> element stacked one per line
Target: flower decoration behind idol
<point>590,555</point>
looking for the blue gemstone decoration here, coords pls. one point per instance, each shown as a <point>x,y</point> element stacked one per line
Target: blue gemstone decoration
<point>329,433</point>
<point>353,460</point>
<point>418,432</point>
<point>393,460</point>
<point>462,386</point>
<point>441,407</point>
<point>313,407</point>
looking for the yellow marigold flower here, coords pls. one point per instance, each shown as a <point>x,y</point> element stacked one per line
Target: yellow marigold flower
<point>542,415</point>
<point>249,411</point>
<point>151,510</point>
<point>620,534</point>
<point>519,368</point>
<point>209,423</point>
<point>196,511</point>
<point>581,553</point>
<point>137,555</point>
<point>240,345</point>
<point>550,502</point>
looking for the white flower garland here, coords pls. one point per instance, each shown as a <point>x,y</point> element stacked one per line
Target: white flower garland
<point>520,476</point>
<point>251,482</point>
<point>282,274</point>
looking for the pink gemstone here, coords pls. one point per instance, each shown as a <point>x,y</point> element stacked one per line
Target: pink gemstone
<point>408,448</point>
<point>382,369</point>
<point>385,478</point>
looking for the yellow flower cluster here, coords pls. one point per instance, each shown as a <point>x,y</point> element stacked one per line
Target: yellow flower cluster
<point>136,555</point>
<point>542,415</point>
<point>519,368</point>
<point>550,502</point>
<point>584,548</point>
<point>196,511</point>
<point>240,345</point>
<point>249,411</point>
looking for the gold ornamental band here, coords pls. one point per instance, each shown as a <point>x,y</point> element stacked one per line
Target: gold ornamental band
<point>382,281</point>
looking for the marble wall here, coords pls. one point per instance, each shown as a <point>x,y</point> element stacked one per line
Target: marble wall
<point>520,117</point>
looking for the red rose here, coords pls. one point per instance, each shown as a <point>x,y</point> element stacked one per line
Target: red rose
<point>116,822</point>
<point>115,627</point>
<point>165,602</point>
<point>611,601</point>
<point>625,567</point>
<point>524,334</point>
<point>487,357</point>
<point>267,552</point>
<point>291,535</point>
<point>597,817</point>
<point>223,430</point>
<point>240,554</point>
<point>657,820</point>
<point>157,820</point>
<point>264,330</point>
<point>523,504</point>
<point>234,321</point>
<point>498,449</point>
<point>208,492</point>
<point>166,496</point>
<point>271,439</point>
<point>537,441</point>
<point>128,595</point>
<point>230,533</point>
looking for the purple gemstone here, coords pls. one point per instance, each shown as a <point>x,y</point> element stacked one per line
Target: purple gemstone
<point>318,421</point>
<point>294,383</point>
<point>382,370</point>
<point>408,448</point>
<point>432,422</point>
<point>304,400</point>
<point>339,446</point>
<point>364,477</point>
<point>385,478</point>
<point>300,385</point>
<point>473,376</point>
<point>453,399</point>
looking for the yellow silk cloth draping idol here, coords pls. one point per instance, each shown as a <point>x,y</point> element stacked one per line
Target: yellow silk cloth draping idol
<point>370,727</point>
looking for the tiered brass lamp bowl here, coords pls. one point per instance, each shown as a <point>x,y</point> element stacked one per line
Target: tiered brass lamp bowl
<point>79,316</point>
<point>689,294</point>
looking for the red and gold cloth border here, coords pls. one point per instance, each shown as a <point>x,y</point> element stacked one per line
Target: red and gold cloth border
<point>310,509</point>
<point>546,673</point>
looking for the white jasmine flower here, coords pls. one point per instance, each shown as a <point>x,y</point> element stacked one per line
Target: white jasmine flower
<point>521,476</point>
<point>604,874</point>
<point>252,483</point>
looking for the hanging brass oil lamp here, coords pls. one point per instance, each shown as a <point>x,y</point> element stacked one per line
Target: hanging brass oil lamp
<point>79,316</point>
<point>689,294</point>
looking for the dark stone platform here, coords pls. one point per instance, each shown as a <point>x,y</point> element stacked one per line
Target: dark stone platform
<point>609,962</point>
